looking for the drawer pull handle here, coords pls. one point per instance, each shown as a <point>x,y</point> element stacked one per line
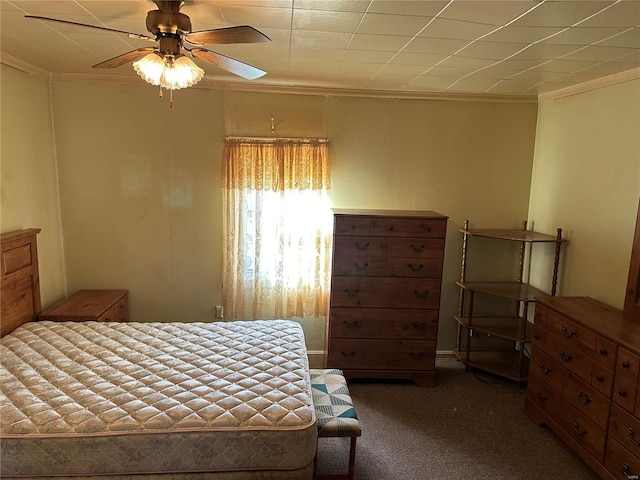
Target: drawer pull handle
<point>600,378</point>
<point>603,352</point>
<point>360,267</point>
<point>538,315</point>
<point>567,333</point>
<point>390,228</point>
<point>536,336</point>
<point>627,471</point>
<point>565,357</point>
<point>416,268</point>
<point>417,248</point>
<point>424,294</point>
<point>419,326</point>
<point>417,356</point>
<point>632,437</point>
<point>583,399</point>
<point>348,354</point>
<point>351,293</point>
<point>362,247</point>
<point>622,393</point>
<point>546,371</point>
<point>579,431</point>
<point>625,365</point>
<point>541,396</point>
<point>353,324</point>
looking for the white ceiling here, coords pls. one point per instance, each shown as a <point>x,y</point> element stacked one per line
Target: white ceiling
<point>508,47</point>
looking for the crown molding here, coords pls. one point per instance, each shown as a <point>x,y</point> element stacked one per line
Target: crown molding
<point>616,78</point>
<point>21,65</point>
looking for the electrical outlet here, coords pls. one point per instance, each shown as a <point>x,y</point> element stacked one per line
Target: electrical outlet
<point>219,312</point>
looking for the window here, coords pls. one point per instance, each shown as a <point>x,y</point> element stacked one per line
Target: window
<point>277,229</point>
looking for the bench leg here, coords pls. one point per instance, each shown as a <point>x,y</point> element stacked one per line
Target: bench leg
<point>352,465</point>
<point>352,458</point>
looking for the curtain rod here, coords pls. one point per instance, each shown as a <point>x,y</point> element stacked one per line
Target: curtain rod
<point>275,139</point>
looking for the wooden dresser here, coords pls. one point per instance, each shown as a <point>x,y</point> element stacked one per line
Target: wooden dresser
<point>90,305</point>
<point>583,381</point>
<point>385,293</point>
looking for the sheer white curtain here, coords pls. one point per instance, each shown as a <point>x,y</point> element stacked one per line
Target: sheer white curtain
<point>277,228</point>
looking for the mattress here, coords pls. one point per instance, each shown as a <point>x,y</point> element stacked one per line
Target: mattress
<point>91,398</point>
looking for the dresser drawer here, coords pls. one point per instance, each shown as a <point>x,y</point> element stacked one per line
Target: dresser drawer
<point>385,292</point>
<point>371,354</point>
<point>625,428</point>
<point>427,228</point>
<point>620,462</point>
<point>544,396</point>
<point>627,366</point>
<point>574,356</point>
<point>383,323</point>
<point>390,227</point>
<point>415,267</point>
<point>416,247</point>
<point>547,369</point>
<point>587,400</point>
<point>356,265</point>
<point>624,393</point>
<point>540,316</point>
<point>584,431</point>
<point>347,225</point>
<point>605,353</point>
<point>574,335</point>
<point>539,334</point>
<point>361,245</point>
<point>602,379</point>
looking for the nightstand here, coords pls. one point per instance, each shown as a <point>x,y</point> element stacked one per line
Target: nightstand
<point>87,305</point>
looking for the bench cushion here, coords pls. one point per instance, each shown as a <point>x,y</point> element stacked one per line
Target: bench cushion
<point>335,414</point>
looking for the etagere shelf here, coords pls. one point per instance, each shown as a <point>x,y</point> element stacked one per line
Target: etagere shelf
<point>515,331</point>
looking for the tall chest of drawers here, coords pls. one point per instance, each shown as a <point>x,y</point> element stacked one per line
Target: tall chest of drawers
<point>385,293</point>
<point>583,381</point>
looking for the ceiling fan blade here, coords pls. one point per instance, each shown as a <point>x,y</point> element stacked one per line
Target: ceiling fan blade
<point>129,34</point>
<point>219,36</point>
<point>232,65</point>
<point>125,58</point>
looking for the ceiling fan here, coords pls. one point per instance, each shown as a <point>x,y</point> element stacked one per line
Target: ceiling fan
<point>172,29</point>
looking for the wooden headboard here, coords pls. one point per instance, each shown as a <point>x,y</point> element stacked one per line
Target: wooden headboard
<point>20,287</point>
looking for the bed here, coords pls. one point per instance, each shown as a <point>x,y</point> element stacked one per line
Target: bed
<point>222,400</point>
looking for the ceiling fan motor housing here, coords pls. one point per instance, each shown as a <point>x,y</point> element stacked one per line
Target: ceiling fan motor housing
<point>166,21</point>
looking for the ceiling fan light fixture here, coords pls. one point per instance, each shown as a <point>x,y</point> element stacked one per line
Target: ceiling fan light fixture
<point>168,72</point>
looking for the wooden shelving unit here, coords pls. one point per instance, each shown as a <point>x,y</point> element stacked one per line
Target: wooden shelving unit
<point>514,331</point>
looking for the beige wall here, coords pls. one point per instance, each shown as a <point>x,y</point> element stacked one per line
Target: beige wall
<point>28,181</point>
<point>586,179</point>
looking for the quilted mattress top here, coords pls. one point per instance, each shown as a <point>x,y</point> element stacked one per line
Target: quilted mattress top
<point>90,378</point>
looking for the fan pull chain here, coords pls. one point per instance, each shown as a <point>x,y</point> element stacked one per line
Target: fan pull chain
<point>160,94</point>
<point>170,98</point>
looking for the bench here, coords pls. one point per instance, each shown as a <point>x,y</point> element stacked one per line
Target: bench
<point>335,413</point>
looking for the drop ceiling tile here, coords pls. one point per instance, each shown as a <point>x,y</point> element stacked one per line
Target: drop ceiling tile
<point>387,82</point>
<point>334,5</point>
<point>256,3</point>
<point>445,46</point>
<point>629,38</point>
<point>388,43</point>
<point>318,20</point>
<point>545,51</point>
<point>432,83</point>
<point>521,87</point>
<point>366,56</point>
<point>425,59</point>
<point>403,7</point>
<point>563,65</point>
<point>361,68</point>
<point>487,12</point>
<point>470,84</point>
<point>457,61</point>
<point>308,65</point>
<point>320,54</point>
<point>277,36</point>
<point>386,24</point>
<point>521,34</point>
<point>399,69</point>
<point>444,28</point>
<point>449,72</point>
<point>609,68</point>
<point>50,8</point>
<point>536,75</point>
<point>314,39</point>
<point>561,13</point>
<point>491,50</point>
<point>582,36</point>
<point>265,17</point>
<point>598,53</point>
<point>620,14</point>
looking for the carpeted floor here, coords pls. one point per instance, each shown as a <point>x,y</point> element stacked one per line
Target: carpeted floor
<point>469,427</point>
